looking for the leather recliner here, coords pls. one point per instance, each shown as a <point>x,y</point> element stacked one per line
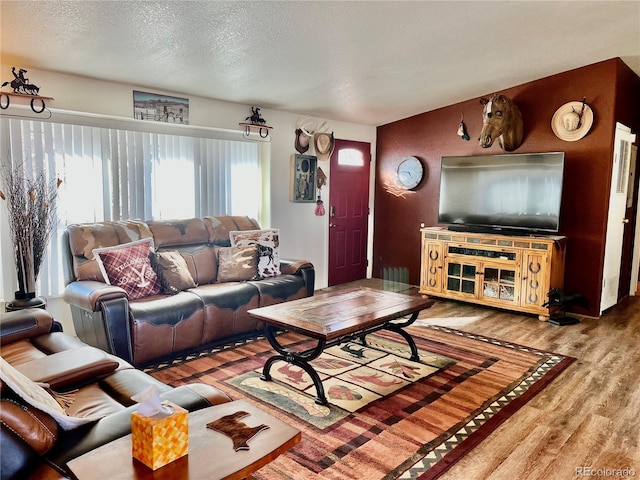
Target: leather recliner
<point>94,382</point>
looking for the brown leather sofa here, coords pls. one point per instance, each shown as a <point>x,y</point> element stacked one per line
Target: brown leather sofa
<point>162,326</point>
<point>32,444</point>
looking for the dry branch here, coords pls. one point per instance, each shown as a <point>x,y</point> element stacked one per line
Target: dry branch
<point>31,203</point>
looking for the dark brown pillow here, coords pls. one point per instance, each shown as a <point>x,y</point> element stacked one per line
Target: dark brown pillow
<point>202,262</point>
<point>173,272</point>
<point>237,264</point>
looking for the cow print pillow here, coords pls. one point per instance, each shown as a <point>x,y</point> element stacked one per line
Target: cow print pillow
<point>267,241</point>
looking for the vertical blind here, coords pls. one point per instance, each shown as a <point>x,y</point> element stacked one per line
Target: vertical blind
<point>114,174</point>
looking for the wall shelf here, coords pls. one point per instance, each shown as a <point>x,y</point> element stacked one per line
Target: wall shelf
<point>263,130</point>
<point>33,98</point>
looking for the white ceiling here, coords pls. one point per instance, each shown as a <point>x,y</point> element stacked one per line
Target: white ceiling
<point>363,62</point>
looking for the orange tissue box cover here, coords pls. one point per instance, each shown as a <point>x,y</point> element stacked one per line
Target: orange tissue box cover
<point>158,441</point>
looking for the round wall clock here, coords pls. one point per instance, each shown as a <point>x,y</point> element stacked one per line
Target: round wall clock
<point>409,172</point>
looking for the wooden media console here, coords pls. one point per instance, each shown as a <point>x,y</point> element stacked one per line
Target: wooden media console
<point>497,270</point>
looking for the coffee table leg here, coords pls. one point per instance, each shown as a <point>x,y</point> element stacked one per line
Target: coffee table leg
<point>412,344</point>
<point>300,359</point>
<point>399,329</point>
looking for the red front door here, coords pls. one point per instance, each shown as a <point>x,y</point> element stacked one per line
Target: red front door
<point>348,211</point>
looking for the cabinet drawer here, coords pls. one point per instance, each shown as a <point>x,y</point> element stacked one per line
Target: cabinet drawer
<point>482,254</point>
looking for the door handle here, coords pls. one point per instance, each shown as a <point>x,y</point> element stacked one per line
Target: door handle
<point>626,220</point>
<point>331,225</point>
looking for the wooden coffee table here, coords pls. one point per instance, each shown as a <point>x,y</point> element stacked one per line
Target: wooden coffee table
<point>211,454</point>
<point>337,317</point>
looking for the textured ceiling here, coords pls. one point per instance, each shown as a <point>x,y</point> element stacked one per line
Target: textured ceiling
<point>363,62</point>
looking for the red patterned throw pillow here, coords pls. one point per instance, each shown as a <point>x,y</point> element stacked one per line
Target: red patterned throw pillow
<point>128,266</point>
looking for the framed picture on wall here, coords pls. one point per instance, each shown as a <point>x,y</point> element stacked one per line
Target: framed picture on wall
<point>303,178</point>
<point>160,108</point>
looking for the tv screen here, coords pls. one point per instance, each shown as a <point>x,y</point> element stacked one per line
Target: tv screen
<point>519,192</point>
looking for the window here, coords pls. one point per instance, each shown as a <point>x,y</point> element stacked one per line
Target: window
<point>114,174</point>
<point>350,157</point>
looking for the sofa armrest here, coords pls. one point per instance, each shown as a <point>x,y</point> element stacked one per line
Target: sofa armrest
<point>87,294</point>
<point>107,328</point>
<point>292,267</point>
<point>34,427</point>
<point>26,323</point>
<point>303,268</point>
<point>18,460</point>
<point>101,316</point>
<point>25,434</point>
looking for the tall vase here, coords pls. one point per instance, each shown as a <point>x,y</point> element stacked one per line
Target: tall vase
<point>25,300</point>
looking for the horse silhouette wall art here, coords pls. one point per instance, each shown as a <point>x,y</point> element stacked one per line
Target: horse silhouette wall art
<point>501,120</point>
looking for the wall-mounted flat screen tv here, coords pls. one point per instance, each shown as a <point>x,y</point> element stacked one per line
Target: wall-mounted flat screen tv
<point>511,192</point>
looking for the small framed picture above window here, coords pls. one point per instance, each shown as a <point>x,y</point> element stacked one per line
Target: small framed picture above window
<point>160,108</point>
<point>303,178</point>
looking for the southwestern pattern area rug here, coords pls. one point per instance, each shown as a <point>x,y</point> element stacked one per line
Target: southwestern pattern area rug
<point>464,387</point>
<point>353,376</point>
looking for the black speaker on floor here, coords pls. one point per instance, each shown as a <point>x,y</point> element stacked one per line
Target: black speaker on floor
<point>560,301</point>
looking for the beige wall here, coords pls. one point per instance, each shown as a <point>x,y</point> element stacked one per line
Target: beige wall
<point>303,235</point>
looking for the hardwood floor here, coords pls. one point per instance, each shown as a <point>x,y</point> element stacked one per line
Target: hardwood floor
<point>587,418</point>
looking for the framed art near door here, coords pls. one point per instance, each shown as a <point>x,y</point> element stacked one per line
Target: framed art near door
<point>303,179</point>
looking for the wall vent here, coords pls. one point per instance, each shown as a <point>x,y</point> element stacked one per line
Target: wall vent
<point>396,274</point>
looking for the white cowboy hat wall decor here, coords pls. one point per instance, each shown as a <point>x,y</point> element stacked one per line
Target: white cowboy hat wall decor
<point>572,121</point>
<point>324,144</point>
<point>501,120</point>
<point>303,134</point>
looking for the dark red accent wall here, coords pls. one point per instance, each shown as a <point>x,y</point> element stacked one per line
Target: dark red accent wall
<point>611,89</point>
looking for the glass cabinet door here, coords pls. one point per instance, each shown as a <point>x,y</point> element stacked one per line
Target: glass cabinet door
<point>461,277</point>
<point>499,283</point>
